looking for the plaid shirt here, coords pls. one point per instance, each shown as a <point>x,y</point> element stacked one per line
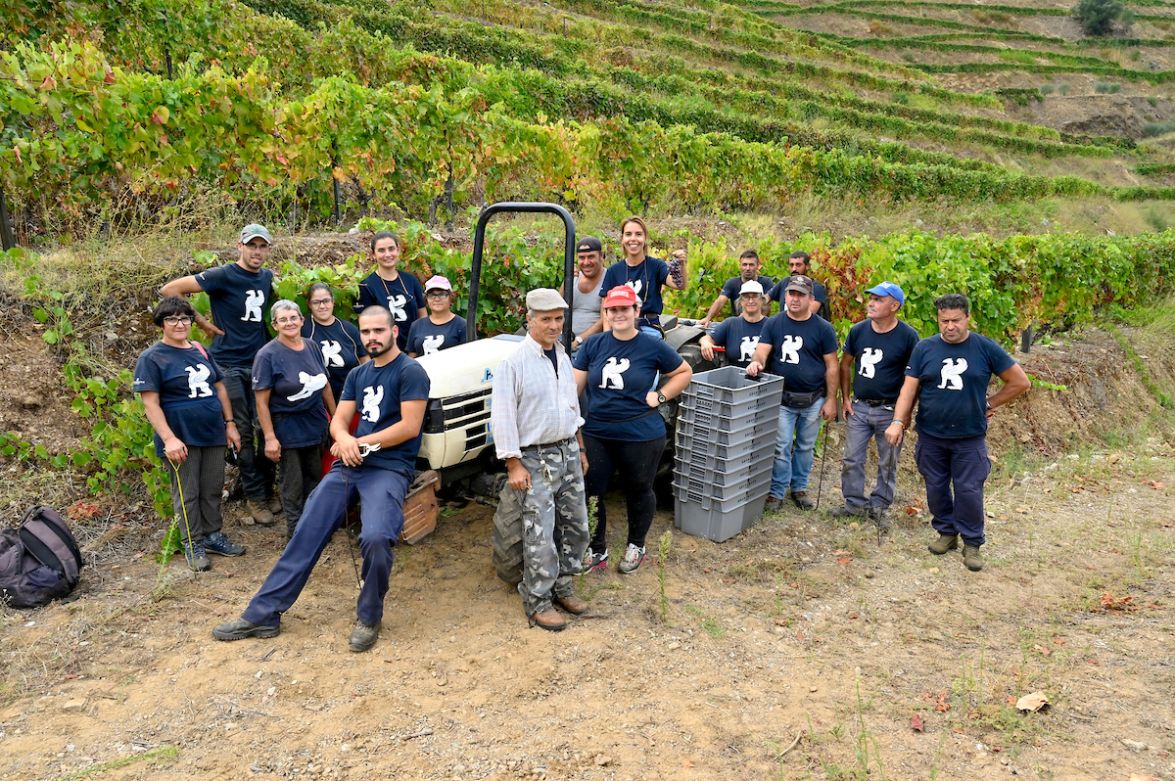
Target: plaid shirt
<point>530,404</point>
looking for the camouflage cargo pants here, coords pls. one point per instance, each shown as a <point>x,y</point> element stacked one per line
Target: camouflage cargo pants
<point>554,523</point>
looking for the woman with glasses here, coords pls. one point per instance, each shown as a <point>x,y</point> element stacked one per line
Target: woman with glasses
<point>294,406</point>
<point>183,394</point>
<point>389,287</point>
<point>441,329</point>
<point>342,349</point>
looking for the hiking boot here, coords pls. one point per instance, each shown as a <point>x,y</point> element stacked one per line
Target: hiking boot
<point>196,556</point>
<point>572,604</point>
<point>550,619</point>
<point>274,504</point>
<point>846,512</point>
<point>773,504</point>
<point>596,562</point>
<point>881,519</point>
<point>363,637</point>
<point>239,629</point>
<point>634,557</point>
<point>802,501</point>
<point>257,512</point>
<point>944,543</point>
<point>971,558</point>
<point>221,545</point>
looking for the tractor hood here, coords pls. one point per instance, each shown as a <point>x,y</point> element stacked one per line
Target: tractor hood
<point>466,367</point>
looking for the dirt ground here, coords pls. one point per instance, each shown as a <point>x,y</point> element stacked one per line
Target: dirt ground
<point>799,649</point>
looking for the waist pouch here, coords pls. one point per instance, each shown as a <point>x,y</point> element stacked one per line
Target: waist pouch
<point>795,399</point>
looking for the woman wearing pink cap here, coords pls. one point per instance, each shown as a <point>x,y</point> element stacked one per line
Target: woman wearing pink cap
<point>623,430</point>
<point>441,329</point>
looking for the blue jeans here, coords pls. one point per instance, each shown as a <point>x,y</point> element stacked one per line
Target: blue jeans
<point>864,424</point>
<point>794,464</point>
<point>382,493</point>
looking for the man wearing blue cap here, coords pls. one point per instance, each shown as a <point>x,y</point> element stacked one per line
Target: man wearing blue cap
<point>872,370</point>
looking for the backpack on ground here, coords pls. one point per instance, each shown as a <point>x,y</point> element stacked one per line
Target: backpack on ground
<point>39,560</point>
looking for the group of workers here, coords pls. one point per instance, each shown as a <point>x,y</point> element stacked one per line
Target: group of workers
<point>563,424</point>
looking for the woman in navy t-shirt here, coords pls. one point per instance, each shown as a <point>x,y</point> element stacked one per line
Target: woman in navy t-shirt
<point>623,429</point>
<point>398,291</point>
<point>185,400</point>
<point>441,329</point>
<point>645,275</point>
<point>342,348</point>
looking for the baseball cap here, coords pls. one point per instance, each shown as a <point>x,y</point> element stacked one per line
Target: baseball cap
<point>801,284</point>
<point>589,244</point>
<point>750,286</point>
<point>437,282</point>
<point>621,295</point>
<point>544,299</point>
<point>889,289</point>
<point>254,231</point>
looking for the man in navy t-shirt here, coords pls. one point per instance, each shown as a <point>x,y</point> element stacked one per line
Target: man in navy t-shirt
<point>948,374</point>
<point>801,263</point>
<point>801,348</point>
<point>749,267</point>
<point>739,336</point>
<point>239,295</point>
<point>376,465</point>
<point>872,370</point>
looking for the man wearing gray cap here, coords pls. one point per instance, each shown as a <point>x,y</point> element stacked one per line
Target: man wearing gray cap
<point>535,419</point>
<point>239,295</point>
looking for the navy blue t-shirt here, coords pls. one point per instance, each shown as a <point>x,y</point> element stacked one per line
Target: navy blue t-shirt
<point>377,392</point>
<point>341,348</point>
<point>735,284</point>
<point>740,339</point>
<point>819,292</point>
<point>295,379</point>
<point>403,297</point>
<point>646,278</point>
<point>952,384</point>
<point>881,359</point>
<point>184,379</point>
<point>426,337</point>
<point>798,348</point>
<point>620,375</point>
<point>240,307</point>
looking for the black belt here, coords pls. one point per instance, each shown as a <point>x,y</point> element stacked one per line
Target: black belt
<point>878,402</point>
<point>557,443</point>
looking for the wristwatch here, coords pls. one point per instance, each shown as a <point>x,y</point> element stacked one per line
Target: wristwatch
<point>661,398</point>
<point>577,340</point>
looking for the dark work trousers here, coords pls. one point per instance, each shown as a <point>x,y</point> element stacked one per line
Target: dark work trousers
<point>955,470</point>
<point>298,474</point>
<point>201,476</point>
<point>382,493</point>
<point>256,470</point>
<point>637,463</point>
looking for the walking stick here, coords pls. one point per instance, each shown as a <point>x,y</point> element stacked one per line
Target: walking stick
<point>823,463</point>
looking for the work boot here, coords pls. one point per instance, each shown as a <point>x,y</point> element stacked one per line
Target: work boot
<point>773,504</point>
<point>257,512</point>
<point>842,513</point>
<point>881,519</point>
<point>944,543</point>
<point>802,501</point>
<point>274,504</point>
<point>239,629</point>
<point>550,619</point>
<point>363,637</point>
<point>572,604</point>
<point>971,557</point>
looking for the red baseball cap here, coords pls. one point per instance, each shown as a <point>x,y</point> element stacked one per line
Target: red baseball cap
<point>621,295</point>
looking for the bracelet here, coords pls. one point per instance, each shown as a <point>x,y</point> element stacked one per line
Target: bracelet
<point>230,422</point>
<point>899,422</point>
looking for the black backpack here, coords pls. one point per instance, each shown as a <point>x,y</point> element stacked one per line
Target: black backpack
<point>39,560</point>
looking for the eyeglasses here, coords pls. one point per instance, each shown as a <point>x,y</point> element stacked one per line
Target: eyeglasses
<point>288,320</point>
<point>184,321</point>
<point>322,302</point>
<point>437,294</point>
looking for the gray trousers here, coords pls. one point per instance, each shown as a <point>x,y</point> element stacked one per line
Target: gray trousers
<point>299,472</point>
<point>864,424</point>
<point>554,524</point>
<point>201,480</point>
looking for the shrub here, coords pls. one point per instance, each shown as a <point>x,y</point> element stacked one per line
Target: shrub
<point>1097,17</point>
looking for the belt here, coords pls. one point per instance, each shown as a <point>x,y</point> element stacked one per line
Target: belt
<point>877,402</point>
<point>557,443</point>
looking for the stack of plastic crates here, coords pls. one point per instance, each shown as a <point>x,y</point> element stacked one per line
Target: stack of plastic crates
<point>724,451</point>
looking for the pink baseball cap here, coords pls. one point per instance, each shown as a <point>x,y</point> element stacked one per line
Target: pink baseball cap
<point>438,283</point>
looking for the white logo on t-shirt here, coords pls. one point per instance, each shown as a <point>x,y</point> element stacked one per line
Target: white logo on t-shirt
<point>789,351</point>
<point>396,304</point>
<point>253,301</point>
<point>433,343</point>
<point>332,352</point>
<point>198,387</point>
<point>636,285</point>
<point>612,373</point>
<point>311,384</point>
<point>952,373</point>
<point>869,360</point>
<point>747,348</point>
<point>371,399</point>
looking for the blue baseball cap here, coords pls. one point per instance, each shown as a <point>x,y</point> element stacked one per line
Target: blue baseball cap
<point>888,289</point>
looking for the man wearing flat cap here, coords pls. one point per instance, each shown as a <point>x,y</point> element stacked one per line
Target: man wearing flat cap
<point>536,420</point>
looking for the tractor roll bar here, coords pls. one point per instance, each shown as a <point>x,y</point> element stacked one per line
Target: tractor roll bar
<point>479,236</point>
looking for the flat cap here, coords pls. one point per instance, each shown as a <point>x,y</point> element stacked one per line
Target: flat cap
<point>544,299</point>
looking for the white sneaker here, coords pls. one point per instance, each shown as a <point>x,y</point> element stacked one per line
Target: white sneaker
<point>633,558</point>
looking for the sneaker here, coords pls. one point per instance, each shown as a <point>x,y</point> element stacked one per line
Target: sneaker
<point>196,556</point>
<point>971,558</point>
<point>363,637</point>
<point>257,512</point>
<point>634,557</point>
<point>221,545</point>
<point>596,562</point>
<point>773,504</point>
<point>239,629</point>
<point>802,501</point>
<point>846,512</point>
<point>944,543</point>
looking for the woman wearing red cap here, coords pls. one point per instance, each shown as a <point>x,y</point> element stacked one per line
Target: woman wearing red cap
<point>623,430</point>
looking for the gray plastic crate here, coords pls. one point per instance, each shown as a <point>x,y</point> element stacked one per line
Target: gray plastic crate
<point>709,420</point>
<point>718,481</point>
<point>755,440</point>
<point>732,385</point>
<point>705,492</point>
<point>765,424</point>
<point>730,409</point>
<point>716,524</point>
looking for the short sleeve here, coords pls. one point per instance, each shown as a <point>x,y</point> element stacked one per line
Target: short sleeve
<point>263,370</point>
<point>769,334</point>
<point>411,344</point>
<point>662,272</point>
<point>211,280</point>
<point>998,357</point>
<point>414,384</point>
<point>776,292</point>
<point>829,339</point>
<point>582,358</point>
<point>917,359</point>
<point>721,331</point>
<point>348,393</point>
<point>850,342</point>
<point>731,288</point>
<point>667,357</point>
<point>147,375</point>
